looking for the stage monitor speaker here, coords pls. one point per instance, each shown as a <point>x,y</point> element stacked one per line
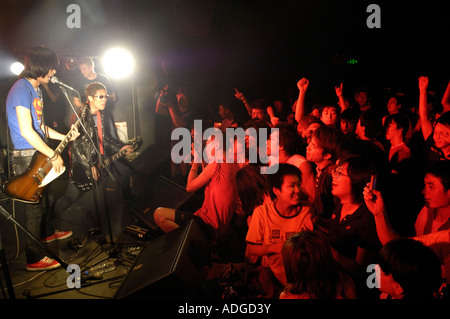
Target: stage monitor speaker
<point>163,192</point>
<point>171,266</point>
<point>151,161</point>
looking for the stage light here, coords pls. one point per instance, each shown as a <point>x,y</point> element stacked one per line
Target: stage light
<point>118,63</point>
<point>16,68</point>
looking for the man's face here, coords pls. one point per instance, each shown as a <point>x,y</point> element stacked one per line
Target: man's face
<point>347,127</point>
<point>314,153</point>
<point>290,190</point>
<point>362,98</point>
<point>393,105</point>
<point>341,185</point>
<point>434,193</point>
<point>392,131</point>
<point>441,136</point>
<point>46,78</point>
<point>98,101</point>
<point>329,116</point>
<point>86,70</point>
<point>258,114</point>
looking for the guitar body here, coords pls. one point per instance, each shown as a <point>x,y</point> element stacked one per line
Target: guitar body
<point>29,186</point>
<point>82,175</point>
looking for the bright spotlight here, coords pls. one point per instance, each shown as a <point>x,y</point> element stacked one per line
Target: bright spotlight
<point>16,68</point>
<point>118,63</point>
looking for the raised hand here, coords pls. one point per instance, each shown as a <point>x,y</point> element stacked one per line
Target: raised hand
<point>374,200</point>
<point>239,95</point>
<point>338,90</point>
<point>303,85</point>
<point>423,83</point>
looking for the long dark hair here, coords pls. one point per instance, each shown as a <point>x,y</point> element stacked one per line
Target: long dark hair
<point>251,188</point>
<point>359,171</point>
<point>413,265</point>
<point>38,62</point>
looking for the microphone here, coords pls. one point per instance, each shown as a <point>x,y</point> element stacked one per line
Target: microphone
<point>55,80</point>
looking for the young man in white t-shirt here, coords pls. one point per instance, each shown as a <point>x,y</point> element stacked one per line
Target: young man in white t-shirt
<point>274,222</point>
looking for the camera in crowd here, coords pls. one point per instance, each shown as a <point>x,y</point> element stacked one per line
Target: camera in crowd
<point>164,96</point>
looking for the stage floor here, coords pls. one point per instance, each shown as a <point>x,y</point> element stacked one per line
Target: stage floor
<point>90,243</point>
<point>95,238</point>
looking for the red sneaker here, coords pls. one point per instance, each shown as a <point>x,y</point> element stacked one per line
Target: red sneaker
<point>58,235</point>
<point>43,264</point>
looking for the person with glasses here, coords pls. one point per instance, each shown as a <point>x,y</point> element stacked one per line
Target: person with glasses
<point>351,229</point>
<point>29,134</point>
<point>88,152</point>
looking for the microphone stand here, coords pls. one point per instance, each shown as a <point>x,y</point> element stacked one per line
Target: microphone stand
<point>93,145</point>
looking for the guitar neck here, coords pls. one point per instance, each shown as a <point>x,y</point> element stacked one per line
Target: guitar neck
<point>113,158</point>
<point>67,138</point>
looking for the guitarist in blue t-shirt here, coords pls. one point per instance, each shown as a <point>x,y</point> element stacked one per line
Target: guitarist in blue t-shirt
<point>24,108</point>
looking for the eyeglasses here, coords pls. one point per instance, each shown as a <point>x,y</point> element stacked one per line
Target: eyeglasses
<point>337,173</point>
<point>101,97</point>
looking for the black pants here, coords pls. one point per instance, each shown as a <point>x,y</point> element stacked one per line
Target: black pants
<point>98,203</point>
<point>34,215</point>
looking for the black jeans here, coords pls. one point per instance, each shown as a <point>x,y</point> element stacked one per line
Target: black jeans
<point>34,214</point>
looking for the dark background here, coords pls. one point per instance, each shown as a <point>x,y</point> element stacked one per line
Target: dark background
<point>262,48</point>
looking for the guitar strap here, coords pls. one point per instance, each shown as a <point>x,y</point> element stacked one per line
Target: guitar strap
<point>46,134</point>
<point>39,93</point>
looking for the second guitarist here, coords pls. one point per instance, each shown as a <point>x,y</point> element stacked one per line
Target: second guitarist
<point>84,158</point>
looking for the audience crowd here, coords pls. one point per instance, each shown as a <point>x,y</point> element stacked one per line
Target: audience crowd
<point>358,184</point>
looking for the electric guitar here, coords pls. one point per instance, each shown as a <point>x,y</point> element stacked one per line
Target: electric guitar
<point>82,177</point>
<point>29,186</point>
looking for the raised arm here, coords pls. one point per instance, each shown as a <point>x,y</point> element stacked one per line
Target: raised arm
<point>274,119</point>
<point>197,180</point>
<point>161,105</point>
<point>425,123</point>
<point>300,105</point>
<point>374,202</point>
<point>339,93</point>
<point>240,96</point>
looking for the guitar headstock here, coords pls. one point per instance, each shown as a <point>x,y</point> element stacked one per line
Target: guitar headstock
<point>83,110</point>
<point>136,144</point>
